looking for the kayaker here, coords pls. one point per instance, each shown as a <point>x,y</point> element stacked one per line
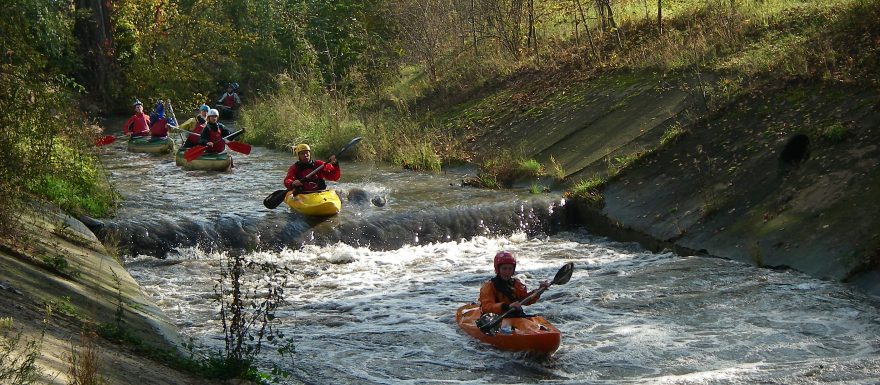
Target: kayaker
<point>138,125</point>
<point>504,292</point>
<point>160,123</point>
<point>304,165</point>
<point>213,133</point>
<point>230,98</point>
<point>195,127</point>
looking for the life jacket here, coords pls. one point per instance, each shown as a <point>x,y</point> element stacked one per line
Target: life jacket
<point>496,293</point>
<point>229,100</point>
<point>194,138</point>
<point>137,125</point>
<point>214,135</point>
<point>159,128</point>
<point>299,170</point>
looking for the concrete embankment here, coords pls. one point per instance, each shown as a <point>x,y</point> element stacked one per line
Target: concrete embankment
<point>58,284</point>
<point>782,176</point>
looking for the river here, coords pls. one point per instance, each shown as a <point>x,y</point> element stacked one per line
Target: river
<point>371,294</point>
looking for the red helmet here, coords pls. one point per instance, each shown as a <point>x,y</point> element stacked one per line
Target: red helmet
<point>502,258</point>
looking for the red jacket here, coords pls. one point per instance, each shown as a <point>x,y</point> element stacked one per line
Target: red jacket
<point>137,125</point>
<point>494,301</point>
<point>196,136</point>
<point>299,170</point>
<point>159,128</point>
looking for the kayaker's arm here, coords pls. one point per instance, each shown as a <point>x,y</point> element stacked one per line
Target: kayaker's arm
<point>541,288</point>
<point>290,181</point>
<point>331,171</point>
<point>224,132</point>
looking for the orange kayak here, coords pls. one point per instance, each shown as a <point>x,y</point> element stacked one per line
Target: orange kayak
<point>525,334</point>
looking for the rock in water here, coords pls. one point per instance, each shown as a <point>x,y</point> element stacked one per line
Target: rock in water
<point>357,195</point>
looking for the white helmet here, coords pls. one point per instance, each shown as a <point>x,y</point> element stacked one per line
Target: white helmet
<point>213,112</point>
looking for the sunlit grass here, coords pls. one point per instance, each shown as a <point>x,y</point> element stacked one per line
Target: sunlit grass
<point>327,122</point>
<point>556,169</point>
<point>531,167</point>
<point>589,189</point>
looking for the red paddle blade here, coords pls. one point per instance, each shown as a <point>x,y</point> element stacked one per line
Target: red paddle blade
<point>193,153</point>
<point>243,148</point>
<point>105,140</point>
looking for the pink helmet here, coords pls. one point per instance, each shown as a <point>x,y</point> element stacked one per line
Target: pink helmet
<point>502,258</point>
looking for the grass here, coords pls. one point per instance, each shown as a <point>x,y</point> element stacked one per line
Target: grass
<point>589,190</point>
<point>20,354</point>
<point>296,114</point>
<point>621,162</point>
<point>556,169</point>
<point>531,167</point>
<point>536,188</point>
<point>671,135</point>
<point>501,170</point>
<point>835,132</point>
<point>421,123</point>
<point>59,265</point>
<point>83,364</point>
<point>62,305</point>
<point>326,122</point>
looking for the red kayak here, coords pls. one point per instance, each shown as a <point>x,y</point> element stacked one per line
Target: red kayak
<point>522,334</point>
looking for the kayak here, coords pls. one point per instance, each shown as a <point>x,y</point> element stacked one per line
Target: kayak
<point>151,146</point>
<point>320,203</point>
<point>226,112</point>
<point>532,334</point>
<point>206,162</point>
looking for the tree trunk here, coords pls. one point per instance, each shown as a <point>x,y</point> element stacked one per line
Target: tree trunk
<point>586,27</point>
<point>95,36</point>
<point>474,27</point>
<point>600,13</point>
<point>608,14</point>
<point>660,16</point>
<point>533,39</point>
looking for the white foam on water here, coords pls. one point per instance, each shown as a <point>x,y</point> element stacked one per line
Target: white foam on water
<point>627,315</point>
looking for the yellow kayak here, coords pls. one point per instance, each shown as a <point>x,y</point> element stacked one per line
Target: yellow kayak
<point>320,203</point>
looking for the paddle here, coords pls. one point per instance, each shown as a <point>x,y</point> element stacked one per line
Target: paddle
<point>173,117</point>
<point>199,150</point>
<point>107,139</point>
<point>562,277</point>
<point>274,199</point>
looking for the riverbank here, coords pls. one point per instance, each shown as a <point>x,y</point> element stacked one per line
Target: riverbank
<point>779,176</point>
<point>59,289</point>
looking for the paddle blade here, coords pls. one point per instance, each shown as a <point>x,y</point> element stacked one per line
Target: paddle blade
<point>193,153</point>
<point>243,148</point>
<point>105,140</point>
<point>563,275</point>
<point>349,145</point>
<point>274,199</point>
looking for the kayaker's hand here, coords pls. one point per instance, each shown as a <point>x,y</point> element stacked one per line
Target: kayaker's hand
<point>516,305</point>
<point>210,144</point>
<point>296,183</point>
<point>544,285</point>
